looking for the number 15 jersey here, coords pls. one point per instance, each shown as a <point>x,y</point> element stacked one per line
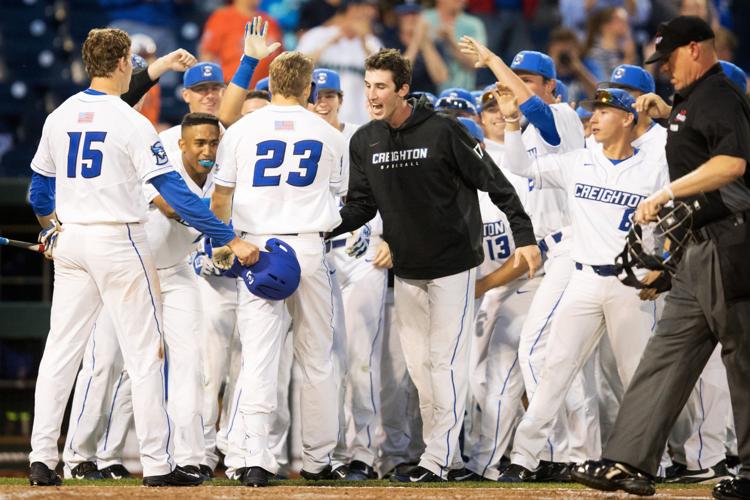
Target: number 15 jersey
<point>285,164</point>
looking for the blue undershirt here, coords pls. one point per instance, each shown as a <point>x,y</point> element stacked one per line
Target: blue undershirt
<point>42,194</point>
<point>539,114</point>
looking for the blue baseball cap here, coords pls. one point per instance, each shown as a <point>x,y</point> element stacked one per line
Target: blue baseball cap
<point>428,95</point>
<point>735,74</point>
<point>474,129</point>
<point>326,79</point>
<point>615,98</point>
<point>408,7</point>
<point>204,72</point>
<point>627,76</point>
<point>583,113</point>
<point>262,84</point>
<point>561,90</point>
<point>456,99</point>
<point>535,62</point>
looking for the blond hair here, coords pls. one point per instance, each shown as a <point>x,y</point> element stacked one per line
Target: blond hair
<point>290,74</point>
<point>102,50</point>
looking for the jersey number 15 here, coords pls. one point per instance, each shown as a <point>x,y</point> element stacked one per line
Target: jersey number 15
<point>308,151</point>
<point>91,158</point>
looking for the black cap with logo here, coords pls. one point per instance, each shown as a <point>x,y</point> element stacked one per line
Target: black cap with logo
<point>678,32</point>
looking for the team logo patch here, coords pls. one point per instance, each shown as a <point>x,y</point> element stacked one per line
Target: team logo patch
<point>681,116</point>
<point>207,71</point>
<point>322,77</point>
<point>619,73</point>
<point>159,154</point>
<point>479,151</point>
<point>518,59</point>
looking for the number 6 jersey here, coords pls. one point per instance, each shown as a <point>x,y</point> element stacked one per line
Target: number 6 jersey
<point>100,152</point>
<point>285,165</point>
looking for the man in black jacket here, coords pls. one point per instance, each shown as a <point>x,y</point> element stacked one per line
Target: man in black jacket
<point>422,170</point>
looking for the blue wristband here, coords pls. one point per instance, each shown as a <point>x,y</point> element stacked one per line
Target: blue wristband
<point>244,73</point>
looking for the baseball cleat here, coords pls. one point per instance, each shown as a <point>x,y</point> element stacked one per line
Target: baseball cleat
<point>177,477</point>
<point>711,474</point>
<point>461,475</point>
<point>401,469</point>
<point>87,471</point>
<point>256,477</point>
<point>737,487</point>
<point>192,469</point>
<point>552,472</point>
<point>417,474</point>
<point>515,473</point>
<point>360,471</point>
<point>117,471</point>
<point>207,472</point>
<point>41,475</point>
<point>612,476</point>
<point>327,474</point>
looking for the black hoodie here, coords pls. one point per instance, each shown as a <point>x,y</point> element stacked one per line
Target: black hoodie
<point>423,177</point>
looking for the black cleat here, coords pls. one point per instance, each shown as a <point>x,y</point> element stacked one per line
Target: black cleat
<point>117,471</point>
<point>87,471</point>
<point>552,472</point>
<point>417,474</point>
<point>461,475</point>
<point>612,476</point>
<point>193,469</point>
<point>178,477</point>
<point>327,474</point>
<point>515,473</point>
<point>734,488</point>
<point>710,475</point>
<point>401,469</point>
<point>257,477</point>
<point>207,472</point>
<point>360,471</point>
<point>41,475</point>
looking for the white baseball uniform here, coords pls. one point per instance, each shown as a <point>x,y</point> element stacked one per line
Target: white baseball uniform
<point>101,151</point>
<point>284,162</point>
<point>601,196</point>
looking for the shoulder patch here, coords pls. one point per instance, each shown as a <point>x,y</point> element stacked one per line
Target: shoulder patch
<point>159,154</point>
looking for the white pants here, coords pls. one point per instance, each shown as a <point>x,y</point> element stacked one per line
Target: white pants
<point>363,288</point>
<point>108,264</point>
<point>261,332</point>
<point>219,299</point>
<point>434,322</point>
<point>589,302</point>
<point>501,318</point>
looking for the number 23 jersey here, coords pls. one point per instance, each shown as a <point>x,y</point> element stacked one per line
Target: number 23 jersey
<point>285,164</point>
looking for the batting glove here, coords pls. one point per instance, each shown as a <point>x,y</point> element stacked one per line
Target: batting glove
<point>358,242</point>
<point>203,265</point>
<point>48,237</point>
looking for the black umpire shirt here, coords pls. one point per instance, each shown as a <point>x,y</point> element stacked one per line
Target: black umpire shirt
<point>423,177</point>
<point>710,117</point>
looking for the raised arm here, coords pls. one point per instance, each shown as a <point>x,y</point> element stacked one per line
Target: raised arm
<point>178,60</point>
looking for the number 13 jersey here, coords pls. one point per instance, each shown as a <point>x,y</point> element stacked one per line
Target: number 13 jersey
<point>285,164</point>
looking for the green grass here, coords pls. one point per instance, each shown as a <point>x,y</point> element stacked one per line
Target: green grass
<point>354,484</point>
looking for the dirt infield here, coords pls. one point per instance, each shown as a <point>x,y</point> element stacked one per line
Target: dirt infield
<point>133,492</point>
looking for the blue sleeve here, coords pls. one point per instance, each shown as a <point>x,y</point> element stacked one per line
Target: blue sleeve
<point>188,206</point>
<point>42,194</point>
<point>540,115</point>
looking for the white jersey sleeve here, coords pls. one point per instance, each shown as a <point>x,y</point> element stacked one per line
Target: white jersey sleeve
<point>148,153</point>
<point>546,171</point>
<point>225,170</point>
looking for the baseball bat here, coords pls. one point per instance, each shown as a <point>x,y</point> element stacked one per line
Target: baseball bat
<point>34,247</point>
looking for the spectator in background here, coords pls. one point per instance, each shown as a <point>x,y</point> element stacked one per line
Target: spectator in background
<point>224,34</point>
<point>415,42</point>
<point>579,74</point>
<point>609,41</point>
<point>506,24</point>
<point>150,105</point>
<point>154,18</point>
<point>726,43</point>
<point>574,13</point>
<point>315,13</point>
<point>449,23</point>
<point>343,47</point>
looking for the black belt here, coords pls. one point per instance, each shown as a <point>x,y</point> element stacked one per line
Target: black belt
<point>608,270</point>
<point>702,234</point>
<point>321,234</point>
<point>332,244</point>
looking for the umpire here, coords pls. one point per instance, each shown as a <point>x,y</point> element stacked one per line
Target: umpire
<point>708,147</point>
<point>422,170</point>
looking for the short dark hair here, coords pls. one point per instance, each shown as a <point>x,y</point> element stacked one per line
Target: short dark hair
<point>258,94</point>
<point>103,49</point>
<point>194,119</point>
<point>391,60</point>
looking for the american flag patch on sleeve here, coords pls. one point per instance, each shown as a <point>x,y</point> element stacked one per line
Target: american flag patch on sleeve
<point>86,117</point>
<point>283,125</point>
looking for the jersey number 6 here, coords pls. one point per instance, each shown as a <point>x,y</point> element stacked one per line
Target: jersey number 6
<point>91,159</point>
<point>309,155</point>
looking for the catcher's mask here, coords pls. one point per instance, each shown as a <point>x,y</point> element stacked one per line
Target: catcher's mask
<point>656,246</point>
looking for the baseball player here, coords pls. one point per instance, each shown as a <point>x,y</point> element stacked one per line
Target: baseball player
<point>100,151</point>
<point>456,102</point>
<point>287,160</point>
<point>603,187</point>
<point>553,128</point>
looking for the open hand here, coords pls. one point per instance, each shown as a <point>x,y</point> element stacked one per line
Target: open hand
<point>507,102</point>
<point>531,255</point>
<point>383,258</point>
<point>472,48</point>
<point>256,32</point>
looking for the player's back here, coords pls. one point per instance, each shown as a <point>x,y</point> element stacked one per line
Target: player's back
<point>287,163</point>
<point>100,151</point>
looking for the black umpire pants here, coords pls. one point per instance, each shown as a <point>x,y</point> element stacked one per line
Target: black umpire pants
<point>709,303</point>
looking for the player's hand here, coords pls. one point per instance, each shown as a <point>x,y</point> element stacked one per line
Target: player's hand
<point>648,209</point>
<point>203,265</point>
<point>653,105</point>
<point>256,32</point>
<point>179,60</point>
<point>507,103</point>
<point>358,242</point>
<point>649,293</point>
<point>247,253</point>
<point>383,258</point>
<point>48,237</point>
<point>531,255</point>
<point>472,48</point>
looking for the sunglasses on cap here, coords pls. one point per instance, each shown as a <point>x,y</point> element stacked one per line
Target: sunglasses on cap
<point>456,104</point>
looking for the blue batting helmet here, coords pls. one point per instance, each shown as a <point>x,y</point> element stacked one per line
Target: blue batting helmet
<point>275,276</point>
